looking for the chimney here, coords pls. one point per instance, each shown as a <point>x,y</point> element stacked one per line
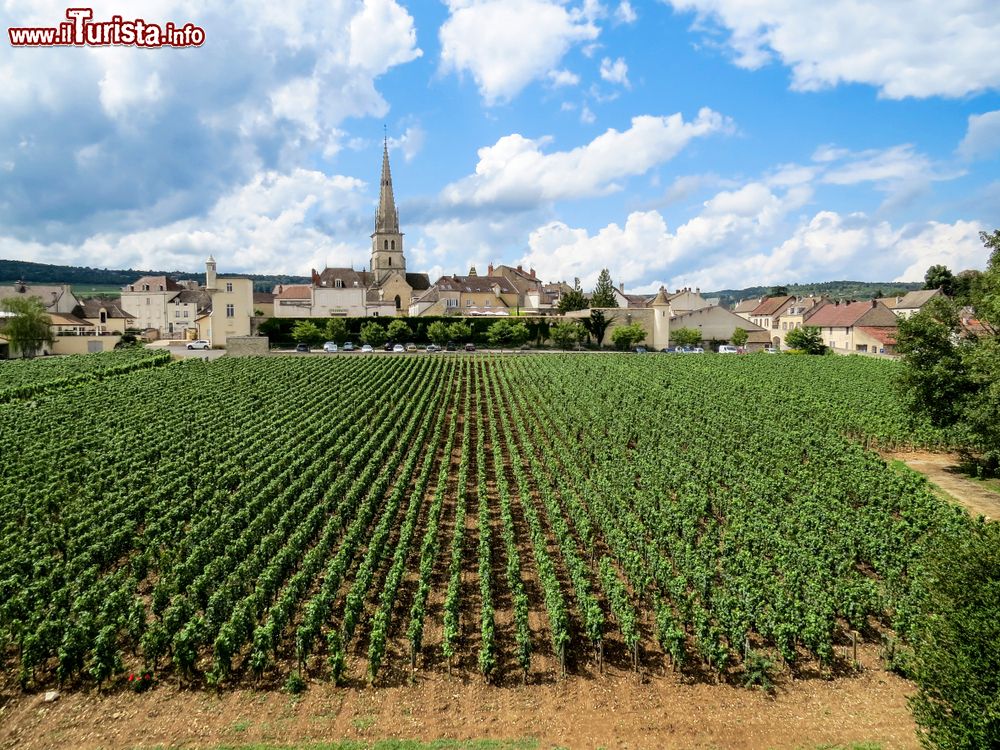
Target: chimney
<point>489,270</point>
<point>519,267</point>
<point>874,303</point>
<point>532,272</point>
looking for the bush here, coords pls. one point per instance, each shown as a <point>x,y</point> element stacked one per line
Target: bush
<point>295,684</point>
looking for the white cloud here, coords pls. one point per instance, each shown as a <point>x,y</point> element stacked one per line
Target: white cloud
<point>563,78</point>
<point>615,71</point>
<point>515,170</point>
<point>586,116</point>
<point>274,223</point>
<point>492,40</point>
<point>382,36</point>
<point>906,48</point>
<point>982,139</point>
<point>625,13</point>
<point>410,142</point>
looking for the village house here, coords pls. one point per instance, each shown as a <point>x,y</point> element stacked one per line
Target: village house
<point>866,327</point>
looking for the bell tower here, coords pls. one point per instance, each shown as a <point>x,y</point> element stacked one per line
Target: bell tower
<point>387,240</point>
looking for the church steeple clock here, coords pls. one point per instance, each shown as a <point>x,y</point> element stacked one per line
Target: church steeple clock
<point>387,240</point>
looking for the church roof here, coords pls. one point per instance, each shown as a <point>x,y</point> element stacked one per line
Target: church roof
<point>386,216</point>
<point>660,298</point>
<point>475,284</point>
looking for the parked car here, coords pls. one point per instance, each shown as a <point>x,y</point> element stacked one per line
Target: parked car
<point>452,346</point>
<point>348,346</point>
<point>389,346</point>
<point>696,350</point>
<point>433,348</point>
<point>399,348</point>
<point>302,348</point>
<point>470,347</point>
<point>728,349</point>
<point>200,344</point>
<point>770,350</point>
<point>411,347</point>
<point>639,350</point>
<point>330,347</point>
<point>367,348</point>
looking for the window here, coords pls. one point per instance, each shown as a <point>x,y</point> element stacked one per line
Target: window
<point>229,286</point>
<point>185,313</point>
<point>393,243</point>
<point>147,300</point>
<point>397,302</point>
<point>784,326</point>
<point>339,283</point>
<point>468,302</point>
<point>486,303</point>
<point>230,311</point>
<point>145,287</point>
<point>385,245</point>
<point>177,312</point>
<point>104,316</point>
<point>390,261</point>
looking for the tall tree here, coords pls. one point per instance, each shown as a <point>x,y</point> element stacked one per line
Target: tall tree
<point>951,372</point>
<point>503,333</point>
<point>778,291</point>
<point>573,300</point>
<point>939,277</point>
<point>28,330</point>
<point>307,332</point>
<point>625,337</point>
<point>740,337</point>
<point>399,330</point>
<point>685,336</point>
<point>336,330</point>
<point>597,325</point>
<point>460,331</point>
<point>438,332</point>
<point>604,292</point>
<point>567,334</point>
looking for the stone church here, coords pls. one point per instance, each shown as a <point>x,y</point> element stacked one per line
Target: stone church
<point>384,289</point>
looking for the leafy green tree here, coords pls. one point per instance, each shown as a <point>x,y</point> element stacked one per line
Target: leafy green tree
<point>399,330</point>
<point>686,336</point>
<point>438,332</point>
<point>939,276</point>
<point>573,300</point>
<point>566,334</point>
<point>29,329</point>
<point>373,333</point>
<point>459,331</point>
<point>956,643</point>
<point>307,332</point>
<point>625,337</point>
<point>807,339</point>
<point>604,292</point>
<point>336,330</point>
<point>597,325</point>
<point>740,337</point>
<point>778,291</point>
<point>503,333</point>
<point>951,372</point>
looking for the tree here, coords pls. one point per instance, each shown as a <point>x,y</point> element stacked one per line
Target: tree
<point>336,330</point>
<point>951,372</point>
<point>686,336</point>
<point>372,333</point>
<point>939,277</point>
<point>597,325</point>
<point>29,329</point>
<point>459,331</point>
<point>503,333</point>
<point>307,332</point>
<point>399,330</point>
<point>438,332</point>
<point>625,337</point>
<point>740,337</point>
<point>807,339</point>
<point>956,642</point>
<point>566,334</point>
<point>778,291</point>
<point>604,292</point>
<point>573,300</point>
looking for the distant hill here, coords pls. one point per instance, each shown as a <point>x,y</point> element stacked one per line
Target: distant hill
<point>84,276</point>
<point>833,289</point>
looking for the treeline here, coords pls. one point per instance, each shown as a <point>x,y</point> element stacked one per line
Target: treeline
<point>43,273</point>
<point>834,289</point>
<point>279,330</point>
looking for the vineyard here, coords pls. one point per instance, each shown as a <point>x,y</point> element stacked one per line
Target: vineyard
<point>359,520</point>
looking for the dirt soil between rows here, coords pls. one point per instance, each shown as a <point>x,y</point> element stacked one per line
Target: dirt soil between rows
<point>942,469</point>
<point>612,711</point>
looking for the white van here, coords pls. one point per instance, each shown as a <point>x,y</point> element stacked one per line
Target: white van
<point>728,349</point>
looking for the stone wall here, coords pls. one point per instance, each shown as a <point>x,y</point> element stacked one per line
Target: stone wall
<point>246,346</point>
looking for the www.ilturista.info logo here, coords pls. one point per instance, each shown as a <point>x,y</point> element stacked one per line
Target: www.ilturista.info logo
<point>80,30</point>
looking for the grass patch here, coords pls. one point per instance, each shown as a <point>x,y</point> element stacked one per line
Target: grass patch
<point>523,744</point>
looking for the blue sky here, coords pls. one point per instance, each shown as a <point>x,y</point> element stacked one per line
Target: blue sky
<point>710,143</point>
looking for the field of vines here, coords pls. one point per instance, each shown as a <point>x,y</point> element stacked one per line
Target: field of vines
<point>362,519</point>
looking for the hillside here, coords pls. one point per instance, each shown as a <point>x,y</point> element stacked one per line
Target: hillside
<point>835,289</point>
<point>85,276</point>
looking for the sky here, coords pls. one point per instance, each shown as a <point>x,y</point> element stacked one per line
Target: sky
<point>704,143</point>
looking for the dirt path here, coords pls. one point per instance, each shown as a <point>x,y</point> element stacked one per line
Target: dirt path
<point>940,469</point>
<point>611,711</point>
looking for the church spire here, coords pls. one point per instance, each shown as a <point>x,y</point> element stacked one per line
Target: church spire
<point>386,216</point>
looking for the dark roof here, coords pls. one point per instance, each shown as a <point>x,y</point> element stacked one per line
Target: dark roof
<point>474,284</point>
<point>91,308</point>
<point>263,298</point>
<point>847,314</point>
<point>772,305</point>
<point>418,281</point>
<point>156,284</point>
